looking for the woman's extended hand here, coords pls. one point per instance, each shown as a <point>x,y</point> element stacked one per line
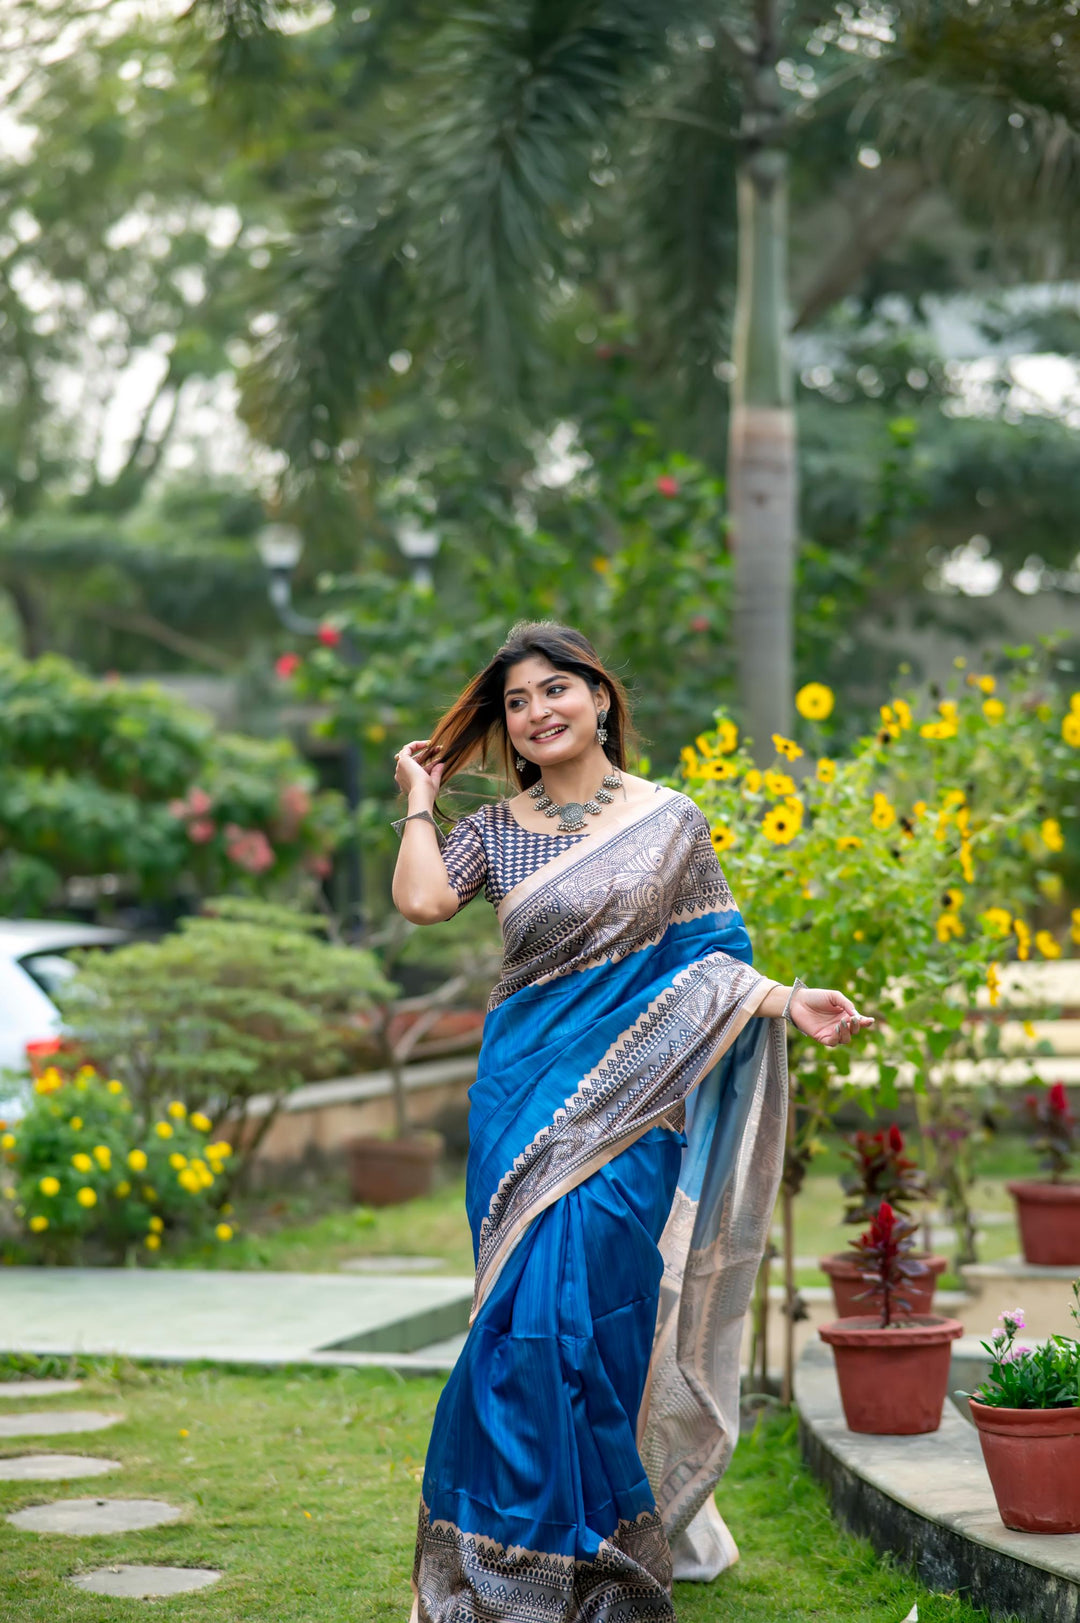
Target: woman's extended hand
<point>411,777</point>
<point>828,1017</point>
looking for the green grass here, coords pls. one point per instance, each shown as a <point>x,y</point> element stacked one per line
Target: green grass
<point>302,1488</point>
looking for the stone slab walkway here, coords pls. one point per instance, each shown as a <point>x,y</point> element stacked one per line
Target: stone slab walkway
<point>242,1317</point>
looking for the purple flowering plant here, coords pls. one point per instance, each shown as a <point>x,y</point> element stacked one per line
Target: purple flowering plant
<point>1046,1376</point>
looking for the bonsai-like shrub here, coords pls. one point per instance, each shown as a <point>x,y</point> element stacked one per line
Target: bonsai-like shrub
<point>1042,1377</point>
<point>886,1262</point>
<point>880,1170</point>
<point>1053,1130</point>
<point>84,1173</point>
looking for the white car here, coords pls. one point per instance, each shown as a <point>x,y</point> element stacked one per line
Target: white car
<point>34,964</point>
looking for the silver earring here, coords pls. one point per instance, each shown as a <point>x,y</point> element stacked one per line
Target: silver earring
<point>520,763</point>
<point>601,729</point>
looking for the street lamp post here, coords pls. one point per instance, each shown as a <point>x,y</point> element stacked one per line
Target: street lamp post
<point>280,547</point>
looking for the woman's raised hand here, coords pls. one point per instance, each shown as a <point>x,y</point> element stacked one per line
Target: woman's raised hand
<point>410,776</point>
<point>828,1017</point>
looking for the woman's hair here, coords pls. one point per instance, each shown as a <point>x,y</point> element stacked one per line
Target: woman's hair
<point>475,724</point>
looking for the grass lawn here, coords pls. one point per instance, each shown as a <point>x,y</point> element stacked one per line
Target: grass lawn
<point>302,1487</point>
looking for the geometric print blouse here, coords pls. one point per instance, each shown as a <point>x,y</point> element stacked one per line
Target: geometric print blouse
<point>489,849</point>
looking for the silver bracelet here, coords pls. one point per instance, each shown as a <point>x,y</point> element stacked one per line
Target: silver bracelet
<point>787,1006</point>
<point>426,817</point>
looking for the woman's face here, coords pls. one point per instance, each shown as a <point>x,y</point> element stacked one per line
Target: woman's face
<point>550,714</point>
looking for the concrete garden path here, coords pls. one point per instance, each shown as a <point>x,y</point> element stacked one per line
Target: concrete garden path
<point>235,1317</point>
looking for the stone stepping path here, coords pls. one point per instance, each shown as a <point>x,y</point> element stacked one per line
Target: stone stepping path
<point>38,1389</point>
<point>53,1467</point>
<point>56,1423</point>
<point>390,1265</point>
<point>83,1518</point>
<point>143,1583</point>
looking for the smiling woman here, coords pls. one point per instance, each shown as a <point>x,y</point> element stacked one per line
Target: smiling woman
<point>626,1139</point>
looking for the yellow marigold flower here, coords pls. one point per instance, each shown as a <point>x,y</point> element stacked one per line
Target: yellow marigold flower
<point>883,815</point>
<point>152,1242</point>
<point>786,747</point>
<point>39,1224</point>
<point>49,1185</point>
<point>778,784</point>
<point>115,1086</point>
<point>8,1141</point>
<point>948,927</point>
<point>103,1156</point>
<point>137,1160</point>
<point>825,770</point>
<point>918,810</point>
<point>200,1122</point>
<point>690,764</point>
<point>937,729</point>
<point>149,1193</point>
<point>1074,925</point>
<point>948,708</point>
<point>815,701</point>
<point>997,921</point>
<point>86,1196</point>
<point>219,1147</point>
<point>903,712</point>
<point>198,1166</point>
<point>858,935</point>
<point>123,1189</point>
<point>1047,944</point>
<point>177,1110</point>
<point>993,710</point>
<point>76,1123</point>
<point>993,985</point>
<point>967,867</point>
<point>224,1231</point>
<point>702,745</point>
<point>780,825</point>
<point>985,684</point>
<point>727,736</point>
<point>753,781</point>
<point>156,1224</point>
<point>719,771</point>
<point>1053,838</point>
<point>952,899</point>
<point>81,1162</point>
<point>1023,939</point>
<point>848,842</point>
<point>163,1129</point>
<point>601,564</point>
<point>1070,728</point>
<point>189,1180</point>
<point>176,1160</point>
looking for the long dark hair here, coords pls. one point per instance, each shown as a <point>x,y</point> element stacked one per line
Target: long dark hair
<point>474,727</point>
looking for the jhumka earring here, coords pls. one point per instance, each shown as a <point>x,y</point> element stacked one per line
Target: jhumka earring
<point>520,762</point>
<point>601,728</point>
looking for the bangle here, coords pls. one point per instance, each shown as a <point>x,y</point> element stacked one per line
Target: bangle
<point>787,1006</point>
<point>424,816</point>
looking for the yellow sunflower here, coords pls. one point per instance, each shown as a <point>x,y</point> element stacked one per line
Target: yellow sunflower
<point>779,784</point>
<point>723,837</point>
<point>815,701</point>
<point>826,770</point>
<point>786,747</point>
<point>780,825</point>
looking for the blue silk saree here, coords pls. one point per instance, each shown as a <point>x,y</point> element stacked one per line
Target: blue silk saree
<point>626,1141</point>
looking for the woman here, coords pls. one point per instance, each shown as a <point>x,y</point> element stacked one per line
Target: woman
<point>626,1139</point>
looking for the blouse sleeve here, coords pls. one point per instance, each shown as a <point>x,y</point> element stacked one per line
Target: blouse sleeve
<point>466,858</point>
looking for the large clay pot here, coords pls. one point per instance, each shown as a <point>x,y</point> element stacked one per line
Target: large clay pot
<point>1049,1219</point>
<point>848,1283</point>
<point>893,1380</point>
<point>1033,1457</point>
<point>387,1171</point>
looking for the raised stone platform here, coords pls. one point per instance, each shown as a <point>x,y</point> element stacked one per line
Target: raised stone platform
<point>1045,1294</point>
<point>928,1500</point>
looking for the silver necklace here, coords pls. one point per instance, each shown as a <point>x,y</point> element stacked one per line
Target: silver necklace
<point>573,813</point>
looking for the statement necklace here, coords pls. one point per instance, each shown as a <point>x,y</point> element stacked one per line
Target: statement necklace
<point>573,813</point>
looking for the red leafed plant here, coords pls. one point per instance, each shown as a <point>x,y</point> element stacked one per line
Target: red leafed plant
<point>880,1170</point>
<point>1053,1129</point>
<point>886,1263</point>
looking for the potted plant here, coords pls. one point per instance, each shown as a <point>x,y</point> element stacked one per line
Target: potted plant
<point>1027,1413</point>
<point>880,1170</point>
<point>893,1367</point>
<point>1048,1211</point>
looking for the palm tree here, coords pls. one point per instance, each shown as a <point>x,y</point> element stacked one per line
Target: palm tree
<point>514,149</point>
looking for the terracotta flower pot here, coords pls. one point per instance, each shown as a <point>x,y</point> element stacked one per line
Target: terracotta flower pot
<point>1033,1457</point>
<point>1049,1219</point>
<point>892,1381</point>
<point>847,1282</point>
<point>386,1171</point>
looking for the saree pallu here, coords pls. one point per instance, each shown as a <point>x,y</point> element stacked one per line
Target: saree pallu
<point>626,1141</point>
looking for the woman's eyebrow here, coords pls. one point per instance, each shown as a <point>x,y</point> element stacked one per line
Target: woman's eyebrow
<point>556,676</point>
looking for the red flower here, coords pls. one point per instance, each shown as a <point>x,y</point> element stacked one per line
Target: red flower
<point>201,830</point>
<point>896,1139</point>
<point>699,622</point>
<point>249,848</point>
<point>882,1225</point>
<point>328,635</point>
<point>286,664</point>
<point>667,486</point>
<point>1058,1099</point>
<point>198,802</point>
<point>294,803</point>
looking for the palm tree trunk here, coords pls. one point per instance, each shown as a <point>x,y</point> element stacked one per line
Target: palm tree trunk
<point>761,449</point>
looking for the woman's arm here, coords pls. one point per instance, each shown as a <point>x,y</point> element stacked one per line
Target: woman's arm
<point>828,1017</point>
<point>421,890</point>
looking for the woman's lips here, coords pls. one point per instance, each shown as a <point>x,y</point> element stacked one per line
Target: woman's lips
<point>547,733</point>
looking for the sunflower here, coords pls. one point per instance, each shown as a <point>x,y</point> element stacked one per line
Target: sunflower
<point>993,710</point>
<point>1047,944</point>
<point>780,825</point>
<point>848,842</point>
<point>1052,836</point>
<point>815,701</point>
<point>778,784</point>
<point>826,770</point>
<point>727,736</point>
<point>786,747</point>
<point>753,781</point>
<point>948,926</point>
<point>997,921</point>
<point>1070,728</point>
<point>723,837</point>
<point>883,815</point>
<point>952,899</point>
<point>719,771</point>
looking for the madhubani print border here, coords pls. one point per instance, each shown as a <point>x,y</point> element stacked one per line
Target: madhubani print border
<point>687,881</point>
<point>470,1578</point>
<point>651,1067</point>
